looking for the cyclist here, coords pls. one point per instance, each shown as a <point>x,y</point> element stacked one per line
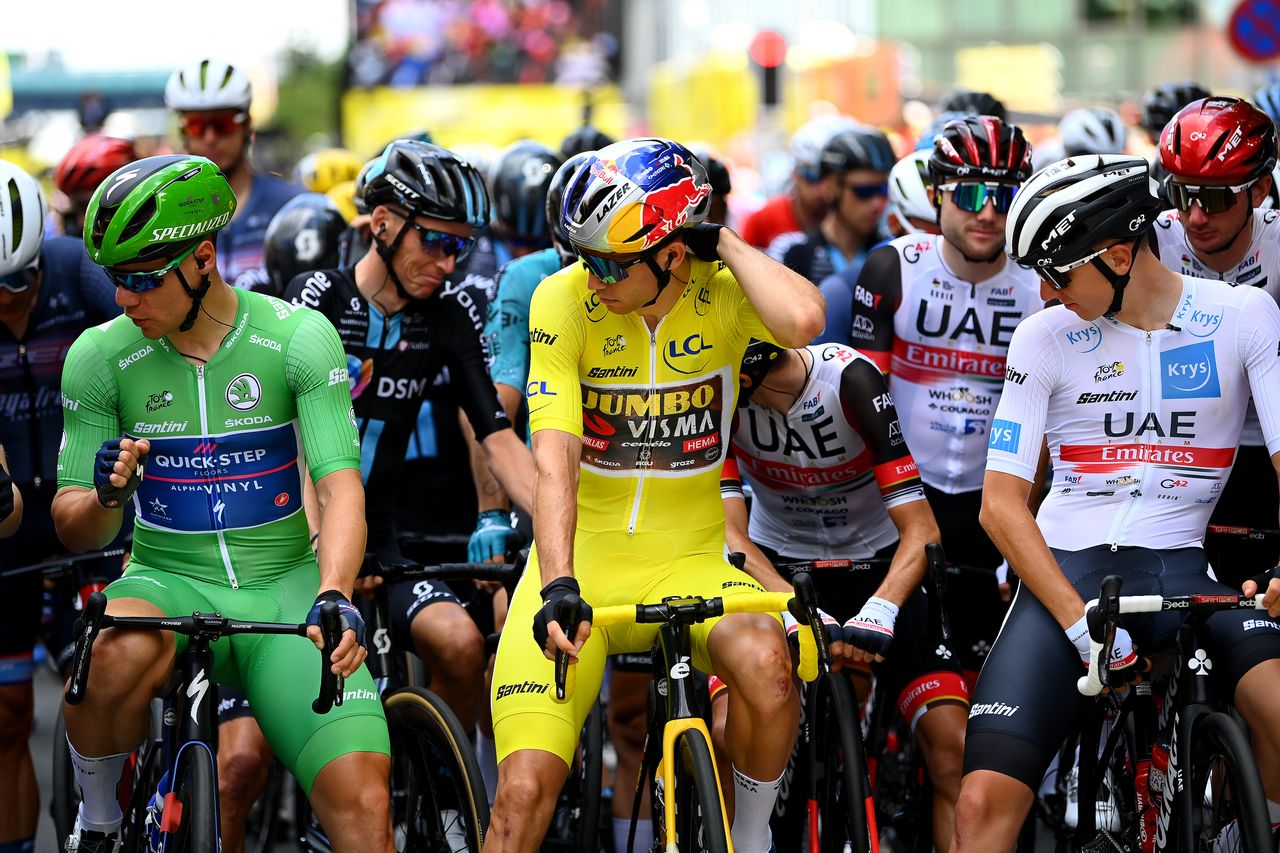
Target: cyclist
<point>973,102</point>
<point>721,183</point>
<point>1087,130</point>
<point>911,209</point>
<point>320,171</point>
<point>233,385</point>
<point>607,338</point>
<point>81,170</point>
<point>1138,382</point>
<point>936,314</point>
<point>10,507</point>
<point>212,101</point>
<point>49,293</point>
<point>832,478</point>
<point>582,139</point>
<point>854,169</point>
<point>1219,154</point>
<point>804,204</point>
<point>304,235</point>
<point>1163,101</point>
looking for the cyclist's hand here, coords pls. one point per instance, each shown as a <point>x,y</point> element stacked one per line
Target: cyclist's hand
<point>1267,585</point>
<point>488,543</point>
<point>118,468</point>
<point>840,652</point>
<point>367,584</point>
<point>350,652</point>
<point>548,633</point>
<point>871,631</point>
<point>703,240</point>
<point>6,494</point>
<point>1123,657</point>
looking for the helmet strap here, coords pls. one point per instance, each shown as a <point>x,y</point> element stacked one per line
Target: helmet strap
<point>1119,281</point>
<point>661,276</point>
<point>1248,220</point>
<point>197,295</point>
<point>388,254</point>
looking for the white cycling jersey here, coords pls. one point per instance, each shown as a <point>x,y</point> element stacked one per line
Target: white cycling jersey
<point>824,475</point>
<point>1259,268</point>
<point>943,341</point>
<point>1142,426</point>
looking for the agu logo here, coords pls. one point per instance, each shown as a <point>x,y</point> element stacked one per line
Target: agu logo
<point>1190,371</point>
<point>244,392</point>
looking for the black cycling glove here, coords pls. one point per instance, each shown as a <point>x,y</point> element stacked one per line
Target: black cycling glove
<point>703,240</point>
<point>104,463</point>
<point>552,595</point>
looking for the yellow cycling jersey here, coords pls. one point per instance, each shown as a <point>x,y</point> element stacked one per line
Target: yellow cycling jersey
<point>653,410</point>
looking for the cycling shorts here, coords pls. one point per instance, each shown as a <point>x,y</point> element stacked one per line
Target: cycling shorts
<point>280,675</point>
<point>1026,701</point>
<point>919,674</point>
<point>1249,499</point>
<point>525,713</point>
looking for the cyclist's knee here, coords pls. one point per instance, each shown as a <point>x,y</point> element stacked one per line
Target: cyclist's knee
<point>989,804</point>
<point>123,662</point>
<point>528,782</point>
<point>448,639</point>
<point>754,659</point>
<point>244,761</point>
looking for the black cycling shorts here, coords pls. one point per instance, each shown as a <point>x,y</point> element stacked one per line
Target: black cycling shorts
<point>1249,500</point>
<point>1025,702</point>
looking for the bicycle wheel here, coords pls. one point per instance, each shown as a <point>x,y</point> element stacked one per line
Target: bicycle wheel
<point>437,796</point>
<point>196,792</point>
<point>64,802</point>
<point>1227,806</point>
<point>839,771</point>
<point>901,790</point>
<point>699,815</point>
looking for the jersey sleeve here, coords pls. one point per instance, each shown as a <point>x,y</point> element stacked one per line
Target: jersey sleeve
<point>98,292</point>
<point>867,406</point>
<point>1017,431</point>
<point>469,375</point>
<point>315,370</point>
<point>872,304</point>
<point>731,477</point>
<point>90,410</point>
<point>782,248</point>
<point>508,328</point>
<point>554,390</point>
<point>837,290</point>
<point>1259,342</point>
<point>737,316</point>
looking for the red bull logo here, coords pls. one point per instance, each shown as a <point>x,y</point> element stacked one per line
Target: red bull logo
<point>666,209</point>
<point>605,170</point>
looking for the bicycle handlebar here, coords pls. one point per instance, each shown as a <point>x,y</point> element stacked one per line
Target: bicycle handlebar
<point>506,573</point>
<point>1103,613</point>
<point>1260,534</point>
<point>53,568</point>
<point>210,625</point>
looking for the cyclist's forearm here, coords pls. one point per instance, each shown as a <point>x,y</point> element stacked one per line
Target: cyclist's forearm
<point>10,524</point>
<point>82,523</point>
<point>916,528</point>
<point>489,492</point>
<point>789,305</point>
<point>555,501</point>
<point>341,543</point>
<point>512,466</point>
<point>735,535</point>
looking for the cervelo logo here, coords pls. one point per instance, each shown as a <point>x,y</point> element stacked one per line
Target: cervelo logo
<point>1084,338</point>
<point>136,356</point>
<point>1190,371</point>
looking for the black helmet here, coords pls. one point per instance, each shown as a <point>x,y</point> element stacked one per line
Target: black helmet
<point>757,361</point>
<point>584,138</point>
<point>717,172</point>
<point>520,182</point>
<point>425,180</point>
<point>1165,100</point>
<point>863,148</point>
<point>973,103</point>
<point>555,199</point>
<point>303,236</point>
<point>963,150</point>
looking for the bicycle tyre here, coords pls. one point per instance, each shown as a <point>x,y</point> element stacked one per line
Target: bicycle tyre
<point>839,770</point>
<point>699,816</point>
<point>433,772</point>
<point>589,783</point>
<point>196,788</point>
<point>64,800</point>
<point>1221,760</point>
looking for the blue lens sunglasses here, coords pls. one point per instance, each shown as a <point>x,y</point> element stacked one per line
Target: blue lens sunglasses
<point>141,282</point>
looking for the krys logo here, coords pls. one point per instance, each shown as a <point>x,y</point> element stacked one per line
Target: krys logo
<point>1190,371</point>
<point>1084,338</point>
<point>1202,324</point>
<point>244,392</point>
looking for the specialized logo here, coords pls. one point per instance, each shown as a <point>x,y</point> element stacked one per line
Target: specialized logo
<point>1189,372</point>
<point>196,691</point>
<point>1005,436</point>
<point>159,401</point>
<point>245,392</point>
<point>193,229</point>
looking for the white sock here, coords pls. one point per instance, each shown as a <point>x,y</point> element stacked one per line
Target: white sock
<point>1273,812</point>
<point>487,756</point>
<point>98,779</point>
<point>753,803</point>
<point>644,834</point>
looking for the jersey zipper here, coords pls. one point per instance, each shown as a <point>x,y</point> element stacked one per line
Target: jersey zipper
<point>204,431</point>
<point>645,449</point>
<point>1148,374</point>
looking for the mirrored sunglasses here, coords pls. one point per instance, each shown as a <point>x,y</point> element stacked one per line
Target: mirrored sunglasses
<point>196,125</point>
<point>972,197</point>
<point>449,245</point>
<point>141,282</point>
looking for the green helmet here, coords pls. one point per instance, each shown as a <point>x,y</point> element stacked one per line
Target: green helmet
<point>156,208</point>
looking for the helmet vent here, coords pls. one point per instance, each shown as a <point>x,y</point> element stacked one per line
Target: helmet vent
<point>15,214</point>
<point>139,220</point>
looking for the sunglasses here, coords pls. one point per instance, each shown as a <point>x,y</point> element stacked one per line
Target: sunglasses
<point>223,124</point>
<point>866,192</point>
<point>449,245</point>
<point>1059,277</point>
<point>141,282</point>
<point>1211,199</point>
<point>607,270</point>
<point>17,282</point>
<point>972,197</point>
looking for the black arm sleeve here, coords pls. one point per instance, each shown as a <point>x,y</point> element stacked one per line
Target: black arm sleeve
<point>867,407</point>
<point>469,376</point>
<point>880,285</point>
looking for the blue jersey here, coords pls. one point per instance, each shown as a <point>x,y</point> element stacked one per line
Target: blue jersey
<point>838,290</point>
<point>240,243</point>
<point>506,329</point>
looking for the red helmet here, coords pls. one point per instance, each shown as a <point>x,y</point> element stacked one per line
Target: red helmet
<point>1219,139</point>
<point>981,148</point>
<point>90,161</point>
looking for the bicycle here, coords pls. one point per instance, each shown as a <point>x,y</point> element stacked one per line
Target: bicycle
<point>180,749</point>
<point>1211,779</point>
<point>680,764</point>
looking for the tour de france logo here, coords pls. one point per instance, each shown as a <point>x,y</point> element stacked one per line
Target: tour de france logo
<point>244,392</point>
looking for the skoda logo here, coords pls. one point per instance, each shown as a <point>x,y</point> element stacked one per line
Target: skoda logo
<point>244,392</point>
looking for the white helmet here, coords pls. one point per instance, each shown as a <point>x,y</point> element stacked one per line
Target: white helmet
<point>1092,130</point>
<point>909,194</point>
<point>208,85</point>
<point>22,213</point>
<point>811,137</point>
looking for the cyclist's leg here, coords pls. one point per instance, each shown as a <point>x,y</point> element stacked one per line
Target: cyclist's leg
<point>244,762</point>
<point>20,606</point>
<point>447,640</point>
<point>536,737</point>
<point>1248,500</point>
<point>629,681</point>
